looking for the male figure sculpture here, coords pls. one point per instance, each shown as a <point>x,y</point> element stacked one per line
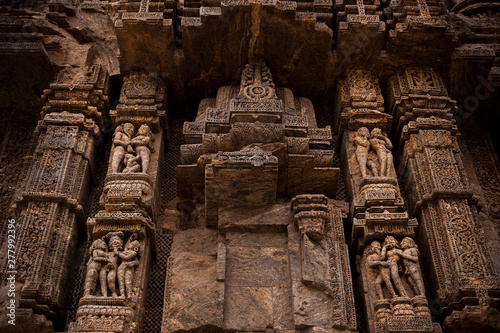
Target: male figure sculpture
<point>390,248</point>
<point>380,269</point>
<point>115,241</point>
<point>143,145</point>
<point>96,264</point>
<point>382,147</point>
<point>412,268</point>
<point>121,141</point>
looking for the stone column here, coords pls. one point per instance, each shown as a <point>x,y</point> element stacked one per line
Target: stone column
<point>383,234</point>
<point>461,272</point>
<point>50,212</point>
<point>123,231</point>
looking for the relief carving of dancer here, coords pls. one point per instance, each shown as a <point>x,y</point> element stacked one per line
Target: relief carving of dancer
<point>129,260</point>
<point>143,144</point>
<point>95,266</point>
<point>121,141</point>
<point>380,269</point>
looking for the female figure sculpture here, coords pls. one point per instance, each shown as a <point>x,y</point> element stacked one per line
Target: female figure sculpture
<point>382,147</point>
<point>129,260</point>
<point>362,147</point>
<point>131,163</point>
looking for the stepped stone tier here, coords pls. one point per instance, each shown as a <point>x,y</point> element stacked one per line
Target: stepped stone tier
<point>259,166</point>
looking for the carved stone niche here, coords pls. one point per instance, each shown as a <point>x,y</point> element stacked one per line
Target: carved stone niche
<point>133,169</point>
<point>116,275</point>
<point>394,295</point>
<point>367,158</point>
<point>259,272</point>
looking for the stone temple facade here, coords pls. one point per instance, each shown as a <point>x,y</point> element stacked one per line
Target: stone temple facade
<point>249,166</point>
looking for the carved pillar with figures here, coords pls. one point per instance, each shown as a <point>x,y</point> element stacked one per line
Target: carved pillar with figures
<point>383,234</point>
<point>123,231</point>
<point>438,193</point>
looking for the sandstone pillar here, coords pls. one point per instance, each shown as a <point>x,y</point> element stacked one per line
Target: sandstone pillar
<point>383,234</point>
<point>50,207</point>
<point>438,194</point>
<point>123,231</point>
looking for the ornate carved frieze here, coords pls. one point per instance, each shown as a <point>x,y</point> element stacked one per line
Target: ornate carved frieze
<point>438,192</point>
<point>50,205</point>
<point>198,12</point>
<point>419,92</point>
<point>141,101</point>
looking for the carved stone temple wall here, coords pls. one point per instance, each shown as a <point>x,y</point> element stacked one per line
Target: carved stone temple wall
<point>257,166</point>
